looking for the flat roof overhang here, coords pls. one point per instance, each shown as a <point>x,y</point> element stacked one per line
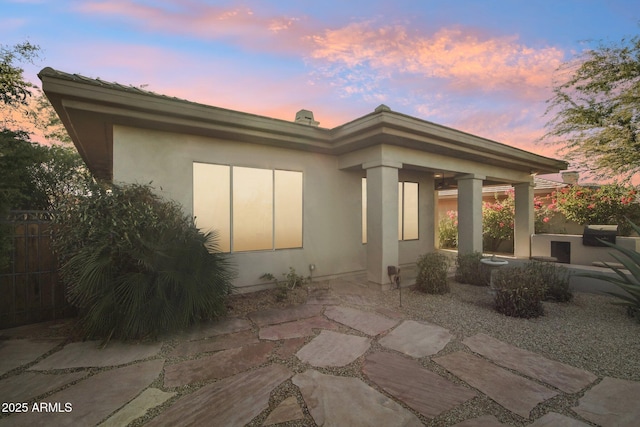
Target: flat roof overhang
<point>89,108</point>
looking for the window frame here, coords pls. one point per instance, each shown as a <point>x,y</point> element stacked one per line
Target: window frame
<point>298,234</point>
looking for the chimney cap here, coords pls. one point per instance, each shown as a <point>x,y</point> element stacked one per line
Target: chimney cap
<point>306,117</point>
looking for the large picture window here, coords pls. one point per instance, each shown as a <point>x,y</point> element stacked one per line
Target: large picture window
<point>407,210</point>
<point>252,209</point>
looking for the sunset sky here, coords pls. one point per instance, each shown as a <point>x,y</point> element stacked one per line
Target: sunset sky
<point>484,67</point>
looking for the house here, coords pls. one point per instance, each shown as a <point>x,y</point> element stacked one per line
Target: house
<point>353,199</point>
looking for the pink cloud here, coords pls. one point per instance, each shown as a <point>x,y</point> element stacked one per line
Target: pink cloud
<point>239,24</point>
<point>521,127</point>
<point>464,60</point>
<point>359,55</point>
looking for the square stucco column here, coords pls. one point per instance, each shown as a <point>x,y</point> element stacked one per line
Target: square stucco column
<point>382,220</point>
<point>470,213</point>
<point>524,221</point>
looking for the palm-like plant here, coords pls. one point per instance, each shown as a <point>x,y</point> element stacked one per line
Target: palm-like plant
<point>142,268</point>
<point>630,283</point>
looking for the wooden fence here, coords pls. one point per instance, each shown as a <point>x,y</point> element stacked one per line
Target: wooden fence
<point>30,288</point>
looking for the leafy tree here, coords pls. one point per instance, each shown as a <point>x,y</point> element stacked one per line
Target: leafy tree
<point>44,118</point>
<point>32,176</point>
<point>14,89</point>
<point>36,177</point>
<point>596,109</point>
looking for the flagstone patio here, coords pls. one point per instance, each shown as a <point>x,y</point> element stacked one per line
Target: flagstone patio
<point>330,362</point>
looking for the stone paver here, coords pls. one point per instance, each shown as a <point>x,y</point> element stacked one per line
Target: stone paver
<point>333,349</point>
<point>417,339</point>
<point>296,329</point>
<point>234,401</point>
<point>565,377</point>
<point>220,365</point>
<point>93,399</point>
<point>138,407</point>
<point>91,354</point>
<point>14,353</point>
<point>363,321</point>
<point>281,315</point>
<point>406,380</point>
<point>612,402</point>
<point>214,328</point>
<point>392,314</point>
<point>515,393</point>
<point>221,342</point>
<point>342,401</point>
<point>287,410</point>
<point>28,385</point>
<point>483,421</point>
<point>289,347</point>
<point>553,419</point>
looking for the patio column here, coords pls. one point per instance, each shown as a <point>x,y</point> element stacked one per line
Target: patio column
<point>382,219</point>
<point>524,221</point>
<point>470,213</point>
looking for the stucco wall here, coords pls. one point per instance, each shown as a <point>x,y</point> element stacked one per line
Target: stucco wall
<point>332,238</point>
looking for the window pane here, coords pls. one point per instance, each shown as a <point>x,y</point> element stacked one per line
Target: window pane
<point>410,211</point>
<point>288,209</point>
<point>364,210</point>
<point>211,201</point>
<point>252,209</point>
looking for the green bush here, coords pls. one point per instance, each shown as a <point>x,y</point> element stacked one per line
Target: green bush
<point>470,270</point>
<point>630,283</point>
<point>136,266</point>
<point>518,293</point>
<point>432,273</point>
<point>555,278</point>
<point>291,281</point>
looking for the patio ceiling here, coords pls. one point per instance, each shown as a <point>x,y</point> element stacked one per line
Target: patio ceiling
<point>89,108</point>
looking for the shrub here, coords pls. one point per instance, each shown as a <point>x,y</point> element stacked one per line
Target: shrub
<point>630,283</point>
<point>497,221</point>
<point>136,266</point>
<point>518,293</point>
<point>555,278</point>
<point>470,270</point>
<point>291,281</point>
<point>448,230</point>
<point>607,204</point>
<point>432,273</point>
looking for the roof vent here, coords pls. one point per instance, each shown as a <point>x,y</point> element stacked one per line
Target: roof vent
<point>306,117</point>
<point>382,107</point>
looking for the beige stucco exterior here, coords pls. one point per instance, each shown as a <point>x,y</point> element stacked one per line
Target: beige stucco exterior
<point>128,135</point>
